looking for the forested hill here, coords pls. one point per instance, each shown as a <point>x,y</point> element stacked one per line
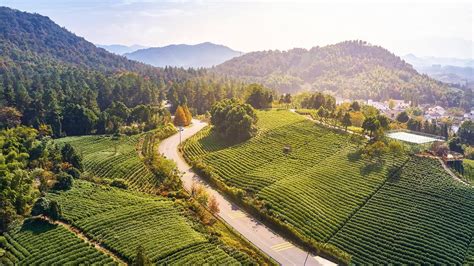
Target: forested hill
<point>182,55</point>
<point>24,34</point>
<point>352,69</point>
<point>49,77</point>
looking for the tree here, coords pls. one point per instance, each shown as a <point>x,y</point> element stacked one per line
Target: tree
<point>384,121</point>
<point>78,120</point>
<point>189,116</point>
<point>371,124</point>
<point>180,117</point>
<point>346,121</point>
<point>355,106</point>
<point>41,207</point>
<point>64,181</point>
<point>375,151</point>
<point>233,120</point>
<point>323,113</point>
<point>54,212</point>
<point>357,118</point>
<point>391,104</point>
<point>403,117</point>
<point>70,155</point>
<point>466,132</point>
<point>213,205</point>
<point>414,124</point>
<point>258,96</point>
<point>9,117</point>
<point>141,259</point>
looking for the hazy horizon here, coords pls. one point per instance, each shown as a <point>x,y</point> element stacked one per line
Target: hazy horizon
<point>422,28</point>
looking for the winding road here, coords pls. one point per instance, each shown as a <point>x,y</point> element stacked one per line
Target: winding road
<point>261,236</point>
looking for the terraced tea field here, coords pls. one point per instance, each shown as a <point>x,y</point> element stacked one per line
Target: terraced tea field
<point>121,220</point>
<point>420,216</point>
<point>38,242</point>
<point>108,157</point>
<point>321,188</point>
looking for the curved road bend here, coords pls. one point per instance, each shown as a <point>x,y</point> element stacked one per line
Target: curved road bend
<point>271,243</point>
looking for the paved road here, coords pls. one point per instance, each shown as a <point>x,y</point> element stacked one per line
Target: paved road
<point>271,243</point>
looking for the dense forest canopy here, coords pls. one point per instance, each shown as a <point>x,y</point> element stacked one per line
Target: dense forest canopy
<point>352,69</point>
<point>53,77</point>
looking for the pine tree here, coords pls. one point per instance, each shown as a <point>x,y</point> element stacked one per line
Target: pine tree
<point>180,117</point>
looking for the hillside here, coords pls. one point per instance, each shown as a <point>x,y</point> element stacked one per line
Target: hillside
<point>25,35</point>
<point>182,55</point>
<point>351,69</point>
<point>407,210</point>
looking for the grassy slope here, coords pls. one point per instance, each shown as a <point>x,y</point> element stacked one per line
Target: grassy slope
<point>319,186</point>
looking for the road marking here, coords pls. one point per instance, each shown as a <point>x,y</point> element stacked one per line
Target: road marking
<point>282,246</point>
<point>236,215</point>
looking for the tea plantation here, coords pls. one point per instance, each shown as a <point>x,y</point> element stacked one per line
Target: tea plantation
<point>38,242</point>
<point>324,190</point>
<point>121,220</point>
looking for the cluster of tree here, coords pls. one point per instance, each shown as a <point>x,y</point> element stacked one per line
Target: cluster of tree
<point>182,116</point>
<point>318,100</point>
<point>199,93</point>
<point>258,96</point>
<point>26,156</point>
<point>285,99</point>
<point>46,207</point>
<point>417,123</point>
<point>352,69</point>
<point>233,120</point>
<point>463,141</point>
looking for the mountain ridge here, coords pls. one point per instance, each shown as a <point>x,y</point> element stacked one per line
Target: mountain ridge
<point>350,69</point>
<point>204,54</point>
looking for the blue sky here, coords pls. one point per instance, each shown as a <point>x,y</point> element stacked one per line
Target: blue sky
<point>439,28</point>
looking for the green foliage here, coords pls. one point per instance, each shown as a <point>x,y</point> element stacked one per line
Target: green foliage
<point>233,121</point>
<point>403,117</point>
<point>258,96</point>
<point>38,242</point>
<point>71,156</point>
<point>351,69</point>
<point>41,207</point>
<point>64,181</point>
<point>466,132</point>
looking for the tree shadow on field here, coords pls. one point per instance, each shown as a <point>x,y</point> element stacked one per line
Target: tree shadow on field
<point>394,174</point>
<point>354,156</point>
<point>371,166</point>
<point>37,226</point>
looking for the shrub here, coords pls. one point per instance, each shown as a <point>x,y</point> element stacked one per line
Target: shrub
<point>119,183</point>
<point>74,172</point>
<point>64,181</point>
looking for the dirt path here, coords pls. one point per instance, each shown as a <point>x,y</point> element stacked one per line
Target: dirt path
<point>95,244</point>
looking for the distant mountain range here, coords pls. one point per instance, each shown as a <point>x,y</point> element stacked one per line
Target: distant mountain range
<point>182,55</point>
<point>449,70</point>
<point>121,49</point>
